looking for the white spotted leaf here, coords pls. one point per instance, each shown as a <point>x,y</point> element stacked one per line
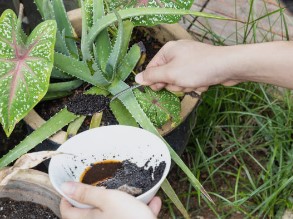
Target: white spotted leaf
<point>25,68</point>
<point>160,106</point>
<point>150,20</point>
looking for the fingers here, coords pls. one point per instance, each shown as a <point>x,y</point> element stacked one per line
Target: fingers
<point>70,212</point>
<point>153,75</point>
<point>155,205</point>
<point>85,193</point>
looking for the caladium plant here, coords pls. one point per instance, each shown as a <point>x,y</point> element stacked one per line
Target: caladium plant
<point>25,67</point>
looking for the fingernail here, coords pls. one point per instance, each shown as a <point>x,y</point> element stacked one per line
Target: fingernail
<point>68,188</point>
<point>139,78</point>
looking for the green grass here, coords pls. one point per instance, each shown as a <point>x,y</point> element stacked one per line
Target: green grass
<point>241,148</point>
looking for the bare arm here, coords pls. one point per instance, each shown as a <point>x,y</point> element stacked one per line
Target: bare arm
<point>190,65</point>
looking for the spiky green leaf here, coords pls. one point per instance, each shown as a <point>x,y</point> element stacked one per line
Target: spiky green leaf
<point>116,52</point>
<point>25,68</point>
<point>129,62</point>
<point>109,19</point>
<point>52,126</point>
<point>78,69</point>
<point>122,114</point>
<point>64,25</point>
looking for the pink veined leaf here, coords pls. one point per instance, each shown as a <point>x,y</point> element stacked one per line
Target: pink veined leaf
<point>25,67</point>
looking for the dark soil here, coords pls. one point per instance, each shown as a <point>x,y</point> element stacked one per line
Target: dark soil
<point>137,177</point>
<point>18,134</point>
<point>87,105</point>
<point>10,209</point>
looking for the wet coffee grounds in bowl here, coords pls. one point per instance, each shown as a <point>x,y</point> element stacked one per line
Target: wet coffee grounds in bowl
<point>125,176</point>
<point>11,209</point>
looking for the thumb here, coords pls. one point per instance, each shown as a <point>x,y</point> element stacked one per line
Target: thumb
<point>85,194</point>
<point>153,75</point>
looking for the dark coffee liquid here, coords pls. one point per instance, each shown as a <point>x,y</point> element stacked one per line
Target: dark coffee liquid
<point>100,171</point>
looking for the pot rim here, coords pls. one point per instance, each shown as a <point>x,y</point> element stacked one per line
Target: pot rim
<point>164,33</point>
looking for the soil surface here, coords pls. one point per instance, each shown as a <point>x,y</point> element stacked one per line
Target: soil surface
<point>10,209</point>
<point>87,105</point>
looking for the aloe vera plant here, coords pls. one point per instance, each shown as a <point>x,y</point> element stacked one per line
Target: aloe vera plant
<point>105,61</point>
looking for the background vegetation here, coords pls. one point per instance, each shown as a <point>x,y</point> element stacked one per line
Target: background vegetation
<point>241,147</point>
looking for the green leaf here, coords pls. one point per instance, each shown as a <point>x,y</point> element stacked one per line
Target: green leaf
<point>129,62</point>
<point>64,24</point>
<point>116,52</point>
<point>96,120</point>
<point>160,106</point>
<point>78,69</point>
<point>49,128</point>
<point>25,68</point>
<point>65,86</point>
<point>154,19</point>
<point>122,114</point>
<point>56,73</point>
<point>127,28</point>
<point>97,91</point>
<point>102,43</point>
<point>109,19</point>
<point>74,126</point>
<point>169,191</point>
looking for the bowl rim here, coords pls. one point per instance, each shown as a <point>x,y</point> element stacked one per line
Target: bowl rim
<point>153,189</point>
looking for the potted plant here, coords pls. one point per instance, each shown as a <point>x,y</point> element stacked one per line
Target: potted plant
<point>28,193</point>
<point>102,61</point>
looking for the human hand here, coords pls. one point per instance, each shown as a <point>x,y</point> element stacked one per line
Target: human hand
<point>107,204</point>
<point>187,66</point>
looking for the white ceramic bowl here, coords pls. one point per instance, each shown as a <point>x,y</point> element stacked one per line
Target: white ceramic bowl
<point>109,142</point>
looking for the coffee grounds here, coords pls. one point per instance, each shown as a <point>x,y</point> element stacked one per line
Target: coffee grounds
<point>138,177</point>
<point>10,209</point>
<point>87,105</point>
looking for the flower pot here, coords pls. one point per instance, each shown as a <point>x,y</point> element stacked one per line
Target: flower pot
<point>32,186</point>
<point>177,137</point>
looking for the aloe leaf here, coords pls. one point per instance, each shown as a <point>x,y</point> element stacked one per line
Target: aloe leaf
<point>56,95</point>
<point>88,9</point>
<point>47,12</point>
<point>109,19</point>
<point>65,86</point>
<point>122,114</point>
<point>97,91</point>
<point>64,24</point>
<point>49,128</point>
<point>128,28</point>
<point>25,68</point>
<point>116,52</point>
<point>78,69</point>
<point>129,101</point>
<point>160,106</point>
<point>46,9</point>
<point>74,126</point>
<point>169,191</point>
<point>129,62</point>
<point>96,120</point>
<point>56,73</point>
<point>102,43</point>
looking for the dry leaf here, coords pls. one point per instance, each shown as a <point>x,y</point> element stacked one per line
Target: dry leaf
<point>26,161</point>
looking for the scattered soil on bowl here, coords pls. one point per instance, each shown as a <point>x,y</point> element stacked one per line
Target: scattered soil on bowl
<point>10,209</point>
<point>87,105</point>
<point>125,176</point>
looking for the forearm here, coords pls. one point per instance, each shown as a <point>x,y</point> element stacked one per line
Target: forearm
<point>267,62</point>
